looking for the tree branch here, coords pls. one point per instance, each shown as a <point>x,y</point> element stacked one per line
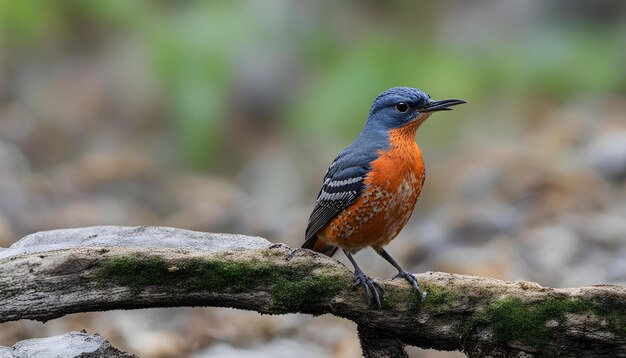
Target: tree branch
<point>54,273</point>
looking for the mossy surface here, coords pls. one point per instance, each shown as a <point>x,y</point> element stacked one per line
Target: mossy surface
<point>438,299</point>
<point>296,291</point>
<point>133,272</point>
<point>389,300</point>
<point>512,320</point>
<point>291,290</point>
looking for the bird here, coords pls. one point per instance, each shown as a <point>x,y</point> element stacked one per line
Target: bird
<point>371,188</point>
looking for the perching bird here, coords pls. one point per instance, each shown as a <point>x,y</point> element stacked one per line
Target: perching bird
<point>371,188</point>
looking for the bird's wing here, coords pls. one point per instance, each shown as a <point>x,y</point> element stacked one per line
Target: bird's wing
<point>343,184</point>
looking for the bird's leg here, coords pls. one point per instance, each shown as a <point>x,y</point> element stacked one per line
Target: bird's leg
<point>368,284</point>
<point>403,273</point>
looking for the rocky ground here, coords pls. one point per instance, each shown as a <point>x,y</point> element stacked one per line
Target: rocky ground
<point>540,196</point>
<point>547,206</point>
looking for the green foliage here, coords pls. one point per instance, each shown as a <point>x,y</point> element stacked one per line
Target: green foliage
<point>550,65</point>
<point>25,22</point>
<point>31,23</point>
<point>193,47</point>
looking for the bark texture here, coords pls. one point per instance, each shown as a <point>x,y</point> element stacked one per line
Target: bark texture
<point>54,273</point>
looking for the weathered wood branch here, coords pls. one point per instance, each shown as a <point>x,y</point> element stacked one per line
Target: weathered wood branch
<point>54,273</point>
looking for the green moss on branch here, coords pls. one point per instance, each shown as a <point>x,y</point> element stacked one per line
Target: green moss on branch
<point>301,289</point>
<point>439,299</point>
<point>535,324</point>
<point>292,290</point>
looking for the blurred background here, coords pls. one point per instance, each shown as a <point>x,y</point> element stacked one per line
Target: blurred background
<point>224,115</point>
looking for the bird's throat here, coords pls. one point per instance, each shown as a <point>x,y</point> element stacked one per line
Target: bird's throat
<point>407,131</point>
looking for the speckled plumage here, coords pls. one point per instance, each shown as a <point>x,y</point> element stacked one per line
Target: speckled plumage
<point>371,188</point>
<point>392,188</point>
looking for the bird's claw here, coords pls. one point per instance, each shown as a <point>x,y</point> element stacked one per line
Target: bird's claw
<point>413,281</point>
<point>368,284</point>
<point>292,254</point>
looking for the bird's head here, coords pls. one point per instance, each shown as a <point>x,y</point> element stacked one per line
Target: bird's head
<point>401,106</point>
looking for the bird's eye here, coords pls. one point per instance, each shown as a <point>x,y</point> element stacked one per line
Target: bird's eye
<point>402,107</point>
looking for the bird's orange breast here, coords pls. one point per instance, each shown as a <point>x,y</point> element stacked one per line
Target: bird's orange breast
<point>392,188</point>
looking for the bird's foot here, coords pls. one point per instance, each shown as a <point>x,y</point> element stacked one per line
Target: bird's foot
<point>413,281</point>
<point>292,254</point>
<point>368,284</point>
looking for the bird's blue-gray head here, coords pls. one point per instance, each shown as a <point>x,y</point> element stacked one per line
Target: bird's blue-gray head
<point>399,106</point>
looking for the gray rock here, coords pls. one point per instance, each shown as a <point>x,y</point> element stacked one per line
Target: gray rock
<point>140,236</point>
<point>546,250</point>
<point>616,268</point>
<point>69,345</point>
<point>6,352</point>
<point>278,348</point>
<point>608,229</point>
<point>607,153</point>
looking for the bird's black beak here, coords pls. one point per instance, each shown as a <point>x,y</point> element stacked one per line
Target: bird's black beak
<point>442,105</point>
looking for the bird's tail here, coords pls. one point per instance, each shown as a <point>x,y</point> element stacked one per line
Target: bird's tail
<point>316,244</point>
